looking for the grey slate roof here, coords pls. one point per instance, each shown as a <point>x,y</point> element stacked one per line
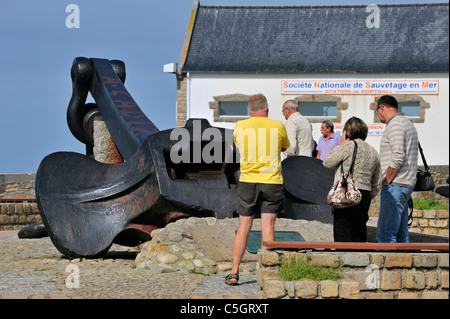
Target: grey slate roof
<point>411,38</point>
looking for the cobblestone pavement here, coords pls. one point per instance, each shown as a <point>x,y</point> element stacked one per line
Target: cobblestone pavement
<point>35,269</point>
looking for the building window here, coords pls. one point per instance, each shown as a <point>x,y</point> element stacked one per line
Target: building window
<point>410,109</point>
<point>230,108</point>
<point>413,106</point>
<point>227,108</point>
<point>318,109</point>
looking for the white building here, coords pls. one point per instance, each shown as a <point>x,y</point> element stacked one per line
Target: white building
<point>335,61</point>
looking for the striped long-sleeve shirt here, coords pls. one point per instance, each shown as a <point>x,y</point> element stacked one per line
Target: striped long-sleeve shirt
<point>399,149</point>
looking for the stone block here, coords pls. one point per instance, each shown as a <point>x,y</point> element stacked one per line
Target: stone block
<point>291,256</point>
<point>326,260</point>
<point>273,288</point>
<point>432,280</point>
<point>430,231</point>
<point>12,187</point>
<point>366,280</point>
<point>429,214</point>
<point>224,266</point>
<point>377,259</point>
<point>198,263</point>
<point>425,261</point>
<point>212,269</point>
<point>34,208</point>
<point>381,295</point>
<point>434,295</point>
<point>443,214</point>
<point>18,208</point>
<point>166,257</point>
<point>266,273</point>
<point>14,219</point>
<point>188,255</point>
<point>290,288</point>
<point>4,219</point>
<point>417,213</point>
<point>26,208</point>
<point>185,264</point>
<point>443,232</point>
<point>423,222</point>
<point>27,185</point>
<point>329,289</point>
<point>209,262</point>
<point>408,295</point>
<point>269,259</point>
<point>355,259</point>
<point>306,289</point>
<point>396,261</point>
<point>444,279</point>
<point>349,289</point>
<point>438,223</point>
<point>415,280</point>
<point>391,280</point>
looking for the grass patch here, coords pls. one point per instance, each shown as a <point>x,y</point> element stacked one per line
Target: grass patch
<point>428,204</point>
<point>195,272</point>
<point>292,270</point>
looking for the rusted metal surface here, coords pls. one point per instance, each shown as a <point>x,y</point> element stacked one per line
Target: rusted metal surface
<point>127,124</point>
<point>36,230</point>
<point>356,246</point>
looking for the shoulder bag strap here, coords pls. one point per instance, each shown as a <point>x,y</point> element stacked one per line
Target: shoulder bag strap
<point>355,150</point>
<point>423,157</point>
<point>350,171</point>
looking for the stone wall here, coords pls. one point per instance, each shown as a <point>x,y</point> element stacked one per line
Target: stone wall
<point>15,215</point>
<point>431,222</point>
<point>368,275</point>
<point>18,215</point>
<point>17,186</point>
<point>440,175</point>
<point>181,101</point>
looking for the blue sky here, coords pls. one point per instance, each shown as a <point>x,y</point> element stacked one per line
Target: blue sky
<point>37,51</point>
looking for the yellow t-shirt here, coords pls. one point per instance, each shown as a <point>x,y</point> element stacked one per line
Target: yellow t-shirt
<point>259,141</point>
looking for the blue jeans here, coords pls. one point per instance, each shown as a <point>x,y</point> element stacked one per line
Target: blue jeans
<point>393,218</point>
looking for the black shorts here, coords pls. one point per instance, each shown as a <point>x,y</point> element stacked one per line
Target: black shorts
<point>257,198</point>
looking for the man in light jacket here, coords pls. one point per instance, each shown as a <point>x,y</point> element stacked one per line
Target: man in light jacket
<point>298,129</point>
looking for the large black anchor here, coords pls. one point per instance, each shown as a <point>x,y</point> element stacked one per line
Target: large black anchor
<point>86,206</point>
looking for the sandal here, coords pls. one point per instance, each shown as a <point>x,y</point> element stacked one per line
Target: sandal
<point>230,277</point>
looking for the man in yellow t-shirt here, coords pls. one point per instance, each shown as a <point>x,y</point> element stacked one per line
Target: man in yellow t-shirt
<point>260,190</point>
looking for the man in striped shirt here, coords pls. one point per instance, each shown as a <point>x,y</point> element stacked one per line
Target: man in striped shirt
<point>398,159</point>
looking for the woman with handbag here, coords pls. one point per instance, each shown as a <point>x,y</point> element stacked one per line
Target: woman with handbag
<point>362,161</point>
